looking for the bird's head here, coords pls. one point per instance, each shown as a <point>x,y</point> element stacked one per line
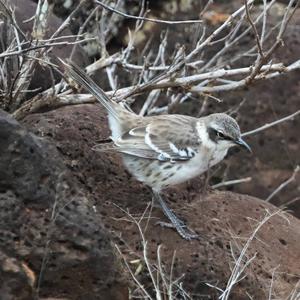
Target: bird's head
<point>225,131</point>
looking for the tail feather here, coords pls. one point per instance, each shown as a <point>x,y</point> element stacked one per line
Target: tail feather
<point>83,79</point>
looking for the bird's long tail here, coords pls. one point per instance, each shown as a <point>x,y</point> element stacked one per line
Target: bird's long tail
<point>86,81</point>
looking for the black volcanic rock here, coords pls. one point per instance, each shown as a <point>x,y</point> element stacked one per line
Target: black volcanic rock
<point>52,241</point>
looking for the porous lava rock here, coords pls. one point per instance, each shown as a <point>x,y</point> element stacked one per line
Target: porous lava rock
<point>224,220</point>
<point>52,241</point>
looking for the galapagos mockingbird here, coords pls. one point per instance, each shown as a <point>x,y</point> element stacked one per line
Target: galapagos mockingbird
<point>164,150</point>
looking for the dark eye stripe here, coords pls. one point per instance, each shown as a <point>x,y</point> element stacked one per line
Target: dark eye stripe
<point>227,138</point>
<point>215,135</point>
<point>222,136</point>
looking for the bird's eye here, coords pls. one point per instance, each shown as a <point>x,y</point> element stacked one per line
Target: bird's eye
<point>220,135</point>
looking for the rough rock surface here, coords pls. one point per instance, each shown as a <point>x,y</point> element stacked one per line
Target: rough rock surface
<point>224,220</point>
<point>52,242</point>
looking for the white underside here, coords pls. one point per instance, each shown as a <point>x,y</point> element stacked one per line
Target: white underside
<point>200,163</point>
<point>196,166</point>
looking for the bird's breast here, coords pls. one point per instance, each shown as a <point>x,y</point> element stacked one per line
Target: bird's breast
<point>159,175</point>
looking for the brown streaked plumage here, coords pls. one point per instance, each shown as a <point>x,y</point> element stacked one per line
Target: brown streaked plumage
<point>165,150</point>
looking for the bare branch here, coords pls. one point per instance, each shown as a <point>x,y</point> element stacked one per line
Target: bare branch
<point>269,125</point>
<point>144,18</point>
<point>266,57</point>
<point>185,82</point>
<point>216,32</point>
<point>284,184</point>
<point>231,182</point>
<point>259,46</point>
<point>38,32</point>
<point>154,73</point>
<point>41,46</point>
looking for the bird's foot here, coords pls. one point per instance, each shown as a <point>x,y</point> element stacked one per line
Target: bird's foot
<point>167,224</point>
<point>176,220</point>
<point>182,230</point>
<point>176,223</point>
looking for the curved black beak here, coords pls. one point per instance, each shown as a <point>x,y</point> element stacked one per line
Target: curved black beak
<point>242,143</point>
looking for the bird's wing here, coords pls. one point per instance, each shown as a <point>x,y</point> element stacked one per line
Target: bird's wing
<point>165,139</point>
<point>112,147</point>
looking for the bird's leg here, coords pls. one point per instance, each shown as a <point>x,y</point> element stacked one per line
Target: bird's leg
<point>206,180</point>
<point>168,212</point>
<point>178,224</point>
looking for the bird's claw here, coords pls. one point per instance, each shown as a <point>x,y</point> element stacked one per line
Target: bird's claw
<point>182,230</point>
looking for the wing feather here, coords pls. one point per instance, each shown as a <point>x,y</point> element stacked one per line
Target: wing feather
<point>164,139</point>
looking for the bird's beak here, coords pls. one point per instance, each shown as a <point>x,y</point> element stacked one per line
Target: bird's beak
<point>242,143</point>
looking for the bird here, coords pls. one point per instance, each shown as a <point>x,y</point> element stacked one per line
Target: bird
<point>163,150</point>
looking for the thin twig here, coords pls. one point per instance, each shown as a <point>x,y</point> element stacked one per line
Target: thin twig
<point>229,43</point>
<point>284,184</point>
<point>144,18</point>
<point>231,182</point>
<point>272,283</point>
<point>261,60</point>
<point>240,265</point>
<point>133,275</point>
<point>290,202</point>
<point>269,125</point>
<point>67,21</point>
<point>208,40</point>
<point>42,46</point>
<point>259,46</point>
